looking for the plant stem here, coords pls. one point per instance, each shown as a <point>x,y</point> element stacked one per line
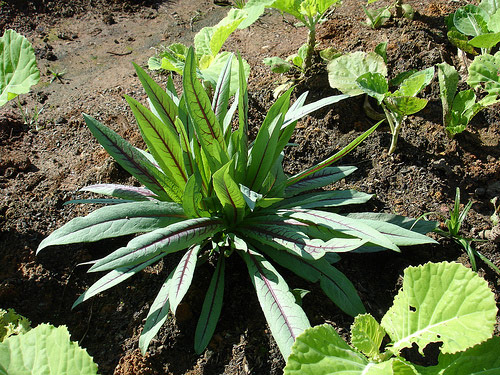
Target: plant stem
<point>399,9</point>
<point>311,43</point>
<point>25,118</point>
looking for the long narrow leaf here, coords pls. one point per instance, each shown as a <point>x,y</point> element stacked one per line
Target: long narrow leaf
<point>342,224</point>
<point>183,275</point>
<point>162,141</point>
<point>211,309</point>
<point>285,318</point>
<point>325,163</point>
<point>133,161</point>
<point>333,282</point>
<point>114,278</point>
<point>241,136</point>
<point>205,122</point>
<point>162,102</point>
<point>170,239</point>
<point>229,194</point>
<point>221,95</point>
<point>157,315</point>
<point>323,199</point>
<point>318,179</point>
<point>114,221</point>
<point>122,191</point>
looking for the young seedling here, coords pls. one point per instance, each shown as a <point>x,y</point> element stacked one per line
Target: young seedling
<point>56,75</point>
<point>376,18</point>
<point>442,303</point>
<point>481,22</point>
<point>453,225</point>
<point>365,73</point>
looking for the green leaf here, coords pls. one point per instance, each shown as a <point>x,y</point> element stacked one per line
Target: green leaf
<point>192,198</point>
<point>494,22</point>
<point>175,237</point>
<point>182,277</point>
<point>220,99</point>
<point>211,309</point>
<point>333,282</point>
<point>229,194</point>
<point>18,70</point>
<point>381,49</point>
<point>213,71</point>
<point>12,323</point>
<point>463,110</point>
<point>373,84</point>
<point>367,335</point>
<point>286,319</point>
<point>323,199</point>
<point>114,221</point>
<point>484,70</point>
<point>199,107</point>
<point>316,180</point>
<point>321,351</point>
<point>345,70</point>
<point>461,41</point>
<point>448,82</point>
<point>114,278</point>
<point>415,83</point>
<point>277,64</point>
<point>487,41</point>
<point>162,141</point>
<point>490,6</point>
<point>45,350</point>
<point>405,105</point>
<point>471,20</point>
<point>157,315</point>
<point>443,302</point>
<point>133,161</point>
<point>481,359</point>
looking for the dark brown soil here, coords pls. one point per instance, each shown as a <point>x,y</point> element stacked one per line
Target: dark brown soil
<point>94,43</point>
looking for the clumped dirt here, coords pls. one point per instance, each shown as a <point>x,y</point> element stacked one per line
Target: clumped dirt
<point>42,166</point>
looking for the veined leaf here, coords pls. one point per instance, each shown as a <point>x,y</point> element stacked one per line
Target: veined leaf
<point>133,161</point>
<point>205,122</point>
<point>157,315</point>
<point>441,302</point>
<point>285,318</point>
<point>122,191</point>
<point>317,179</point>
<point>483,70</point>
<point>212,72</point>
<point>162,141</point>
<point>44,350</point>
<point>175,237</point>
<point>211,309</point>
<point>342,224</point>
<point>405,105</point>
<point>229,194</point>
<point>220,99</point>
<point>241,135</point>
<point>113,278</point>
<point>373,84</point>
<point>481,359</point>
<point>415,83</point>
<point>18,70</point>
<point>183,275</point>
<point>321,351</point>
<point>192,198</point>
<point>115,221</point>
<point>367,335</point>
<point>163,103</point>
<point>487,41</point>
<point>321,199</point>
<point>333,282</point>
<point>448,82</point>
<point>471,20</point>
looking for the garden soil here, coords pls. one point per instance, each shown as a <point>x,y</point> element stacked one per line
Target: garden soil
<point>85,49</point>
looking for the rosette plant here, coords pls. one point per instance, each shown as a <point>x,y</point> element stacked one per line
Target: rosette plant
<point>208,190</point>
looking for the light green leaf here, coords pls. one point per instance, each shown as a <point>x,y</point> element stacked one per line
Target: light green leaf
<point>321,351</point>
<point>448,82</point>
<point>45,350</point>
<point>484,70</point>
<point>319,179</point>
<point>405,105</point>
<point>487,41</point>
<point>344,70</point>
<point>482,359</point>
<point>463,110</point>
<point>277,64</point>
<point>367,335</point>
<point>394,366</point>
<point>471,20</point>
<point>494,22</point>
<point>254,9</point>
<point>286,319</point>
<point>490,6</point>
<point>222,31</point>
<point>229,194</point>
<point>415,83</point>
<point>443,302</point>
<point>323,199</point>
<point>18,70</point>
<point>373,84</point>
<point>12,323</point>
<point>114,221</point>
